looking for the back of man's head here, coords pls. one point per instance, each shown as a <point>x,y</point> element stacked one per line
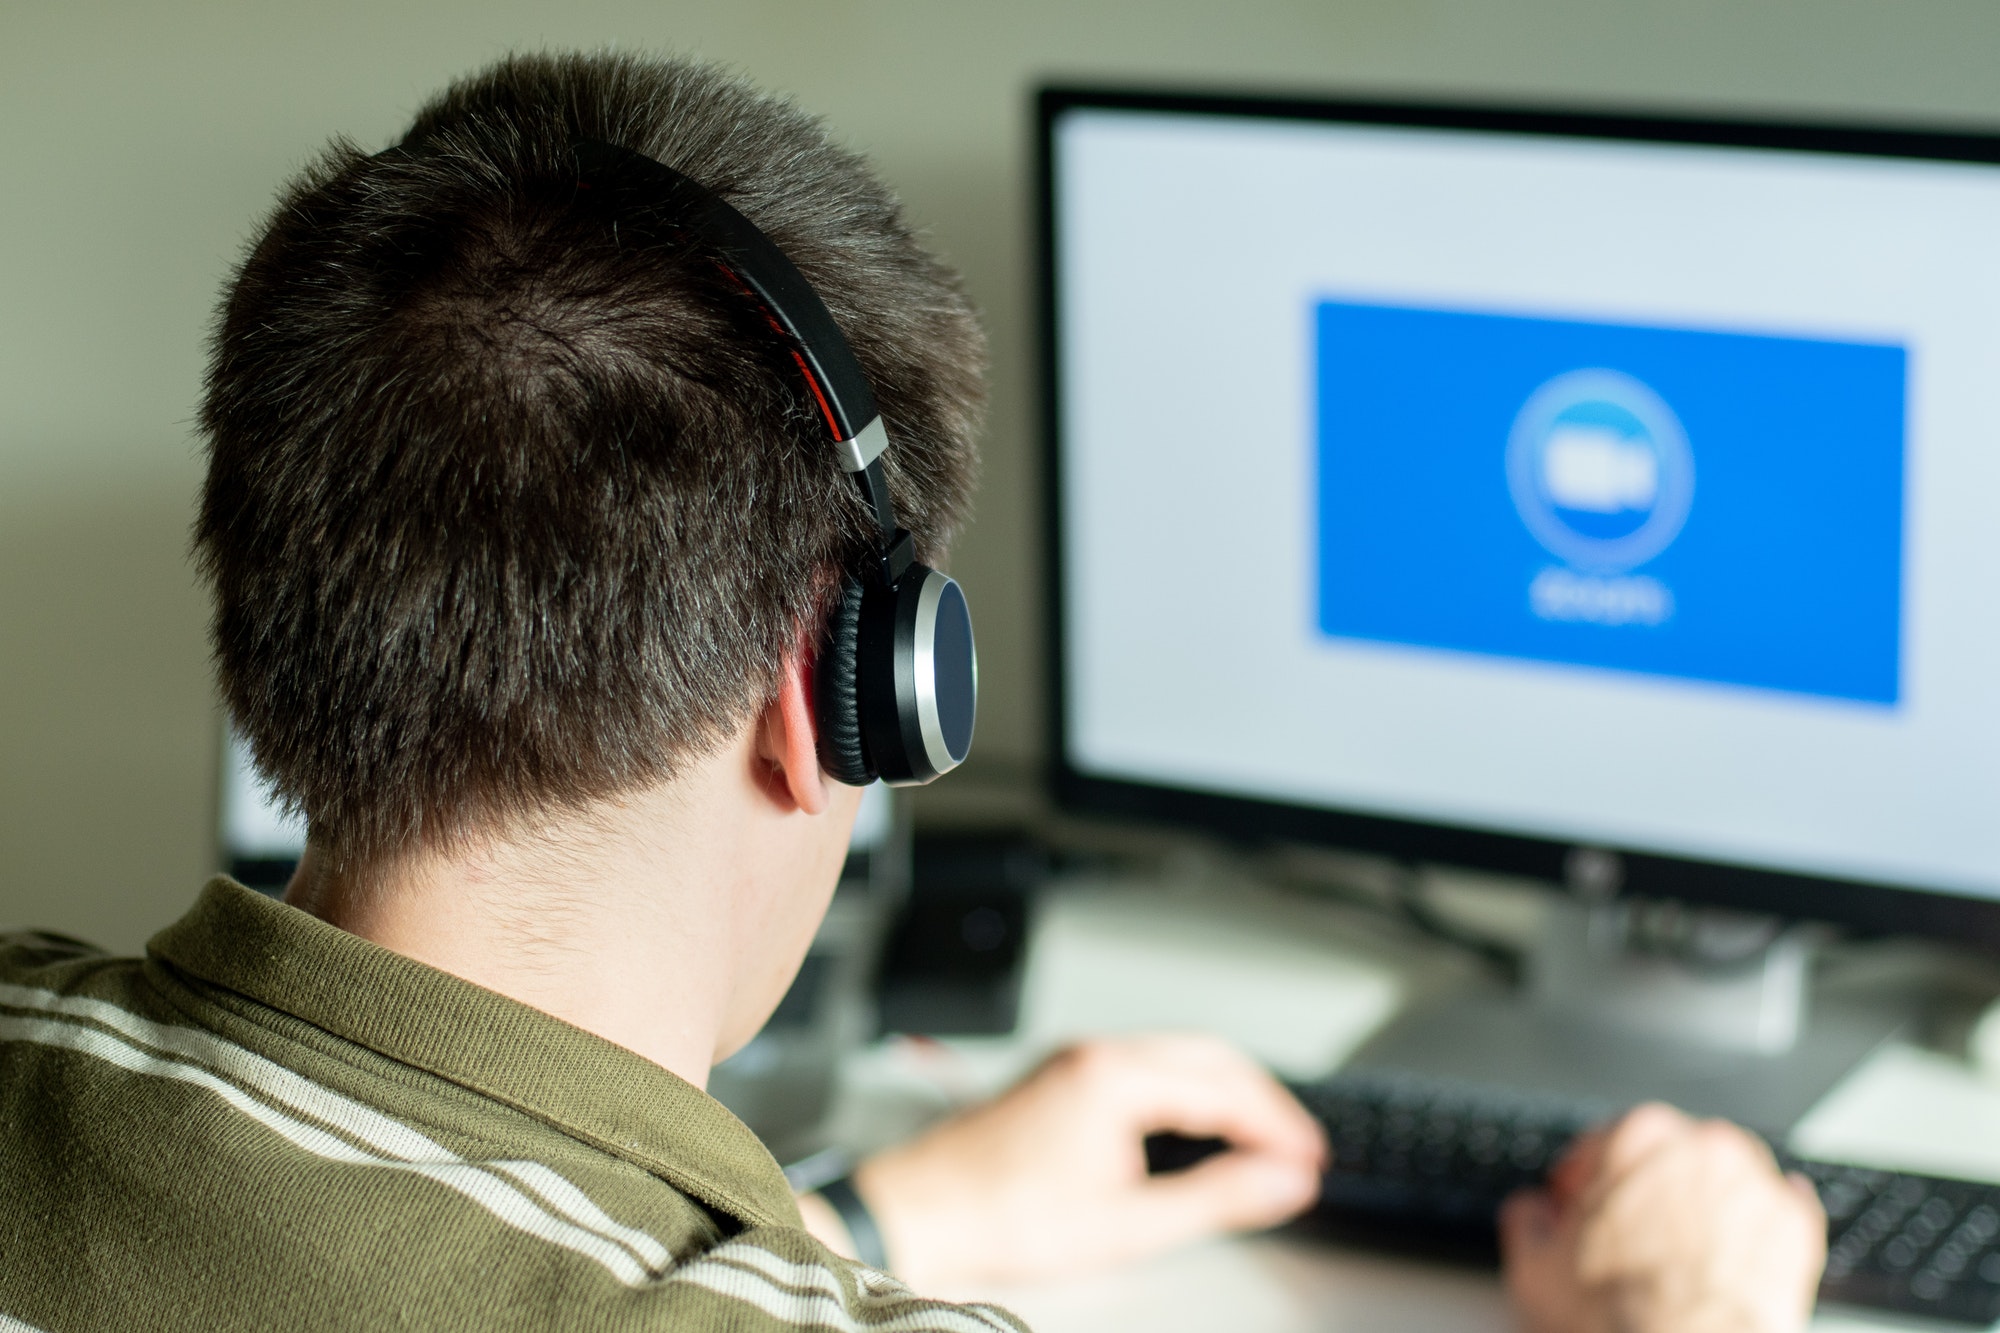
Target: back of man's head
<point>515,501</point>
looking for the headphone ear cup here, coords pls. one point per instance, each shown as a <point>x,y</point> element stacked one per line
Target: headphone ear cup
<point>842,753</point>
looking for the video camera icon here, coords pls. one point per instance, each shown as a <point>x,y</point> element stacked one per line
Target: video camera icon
<point>1600,470</point>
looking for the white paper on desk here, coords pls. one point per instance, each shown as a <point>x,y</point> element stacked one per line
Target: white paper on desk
<point>1904,1109</point>
<point>1137,960</point>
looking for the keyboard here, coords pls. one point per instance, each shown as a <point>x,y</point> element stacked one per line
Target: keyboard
<point>1421,1165</point>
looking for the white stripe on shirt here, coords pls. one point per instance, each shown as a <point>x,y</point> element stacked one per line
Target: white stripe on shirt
<point>814,1285</point>
<point>813,1310</point>
<point>474,1181</point>
<point>800,1293</point>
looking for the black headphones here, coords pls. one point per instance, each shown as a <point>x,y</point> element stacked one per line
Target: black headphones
<point>898,679</point>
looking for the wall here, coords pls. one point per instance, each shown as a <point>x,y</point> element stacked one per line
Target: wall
<point>141,142</point>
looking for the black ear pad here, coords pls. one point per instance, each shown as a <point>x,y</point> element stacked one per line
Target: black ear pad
<point>842,752</point>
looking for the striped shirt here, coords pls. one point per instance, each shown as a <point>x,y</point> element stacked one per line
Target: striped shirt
<point>270,1123</point>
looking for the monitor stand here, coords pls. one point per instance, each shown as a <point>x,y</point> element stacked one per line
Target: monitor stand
<point>1710,1011</point>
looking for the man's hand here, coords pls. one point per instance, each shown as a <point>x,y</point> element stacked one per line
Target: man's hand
<point>1662,1224</point>
<point>1050,1177</point>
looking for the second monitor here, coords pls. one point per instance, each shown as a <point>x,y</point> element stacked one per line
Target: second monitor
<point>1533,491</point>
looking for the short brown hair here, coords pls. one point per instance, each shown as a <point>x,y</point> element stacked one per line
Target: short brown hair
<point>512,504</point>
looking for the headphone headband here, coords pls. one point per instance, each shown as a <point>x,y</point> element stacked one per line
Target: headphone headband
<point>839,388</point>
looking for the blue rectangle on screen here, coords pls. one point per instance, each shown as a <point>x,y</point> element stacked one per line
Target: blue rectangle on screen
<point>1720,507</point>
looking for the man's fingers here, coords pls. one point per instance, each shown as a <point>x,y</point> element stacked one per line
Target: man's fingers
<point>1667,1222</point>
<point>1638,1134</point>
<point>1233,1191</point>
<point>1200,1087</point>
<point>1610,1151</point>
<point>1708,1180</point>
<point>1537,1255</point>
<point>1580,1164</point>
<point>1527,1223</point>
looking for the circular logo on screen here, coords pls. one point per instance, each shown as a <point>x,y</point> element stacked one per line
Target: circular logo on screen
<point>1600,470</point>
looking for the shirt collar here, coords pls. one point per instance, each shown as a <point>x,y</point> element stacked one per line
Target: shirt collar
<point>572,1080</point>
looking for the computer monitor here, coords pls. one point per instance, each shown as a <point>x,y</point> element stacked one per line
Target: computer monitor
<point>259,840</point>
<point>1593,497</point>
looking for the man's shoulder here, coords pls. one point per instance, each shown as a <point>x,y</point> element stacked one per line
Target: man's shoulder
<point>171,1141</point>
<point>44,976</point>
<point>26,953</point>
<point>49,977</point>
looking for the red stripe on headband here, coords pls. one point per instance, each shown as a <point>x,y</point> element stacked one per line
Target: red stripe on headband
<point>812,382</point>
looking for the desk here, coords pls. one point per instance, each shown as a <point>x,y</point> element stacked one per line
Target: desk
<point>1301,984</point>
<point>1269,1284</point>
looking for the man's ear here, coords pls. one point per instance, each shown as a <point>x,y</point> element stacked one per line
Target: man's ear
<point>787,740</point>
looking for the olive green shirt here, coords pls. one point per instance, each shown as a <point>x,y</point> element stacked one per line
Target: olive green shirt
<point>268,1123</point>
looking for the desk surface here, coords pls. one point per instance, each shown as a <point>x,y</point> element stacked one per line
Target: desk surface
<point>1301,986</point>
<point>1269,1284</point>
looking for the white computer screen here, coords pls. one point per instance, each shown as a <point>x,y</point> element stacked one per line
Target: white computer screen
<point>1632,493</point>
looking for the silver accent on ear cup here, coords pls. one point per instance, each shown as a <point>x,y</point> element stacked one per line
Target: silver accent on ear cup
<point>929,724</point>
<point>866,446</point>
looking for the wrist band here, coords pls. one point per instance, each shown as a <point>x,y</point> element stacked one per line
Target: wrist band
<point>867,1237</point>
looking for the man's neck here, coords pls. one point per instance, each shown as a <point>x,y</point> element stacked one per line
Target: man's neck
<point>614,921</point>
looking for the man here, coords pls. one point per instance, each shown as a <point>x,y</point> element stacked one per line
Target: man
<point>523,535</point>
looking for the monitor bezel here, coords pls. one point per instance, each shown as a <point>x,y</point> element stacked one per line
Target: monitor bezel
<point>1863,904</point>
